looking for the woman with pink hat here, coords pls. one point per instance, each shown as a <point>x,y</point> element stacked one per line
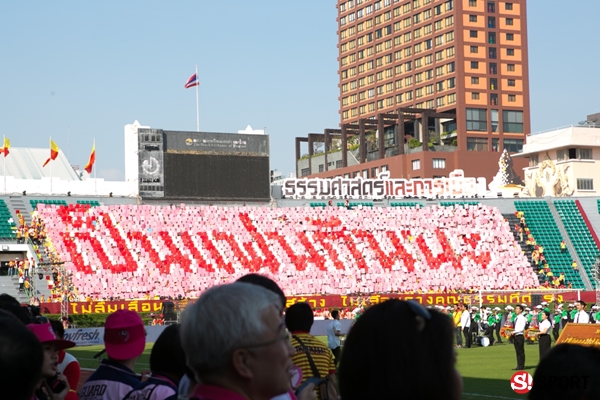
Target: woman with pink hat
<point>54,385</point>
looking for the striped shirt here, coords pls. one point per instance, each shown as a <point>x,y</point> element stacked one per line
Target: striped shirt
<point>320,353</point>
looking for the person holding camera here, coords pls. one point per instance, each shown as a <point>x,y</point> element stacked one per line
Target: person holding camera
<point>54,385</point>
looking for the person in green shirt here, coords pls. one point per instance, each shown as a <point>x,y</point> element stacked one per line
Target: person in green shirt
<point>572,312</point>
<point>596,314</point>
<point>556,326</point>
<point>491,321</point>
<point>498,317</point>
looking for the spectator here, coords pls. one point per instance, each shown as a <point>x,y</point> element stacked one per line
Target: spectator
<point>334,332</point>
<point>50,373</point>
<point>167,363</point>
<point>312,356</point>
<point>124,339</point>
<point>67,364</point>
<point>578,366</point>
<point>12,306</point>
<point>563,246</point>
<point>21,359</point>
<point>237,344</point>
<point>394,350</point>
<point>574,265</point>
<point>456,317</point>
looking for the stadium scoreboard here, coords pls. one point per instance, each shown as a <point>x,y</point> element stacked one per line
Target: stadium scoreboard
<point>176,165</point>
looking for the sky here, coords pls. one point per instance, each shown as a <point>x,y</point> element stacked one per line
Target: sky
<point>79,71</point>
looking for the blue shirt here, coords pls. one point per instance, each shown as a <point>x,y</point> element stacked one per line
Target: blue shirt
<point>111,381</point>
<point>333,341</point>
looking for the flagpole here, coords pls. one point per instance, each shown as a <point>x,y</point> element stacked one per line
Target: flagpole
<point>95,168</point>
<point>50,164</point>
<point>4,158</point>
<point>197,109</point>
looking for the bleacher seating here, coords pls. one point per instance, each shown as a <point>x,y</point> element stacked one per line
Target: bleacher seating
<point>91,203</point>
<point>598,202</point>
<point>406,204</point>
<point>34,203</point>
<point>580,236</point>
<point>458,203</point>
<point>7,224</point>
<point>543,228</point>
<point>127,251</point>
<point>354,204</point>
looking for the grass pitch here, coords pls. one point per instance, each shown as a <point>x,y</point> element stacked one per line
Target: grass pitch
<point>486,371</point>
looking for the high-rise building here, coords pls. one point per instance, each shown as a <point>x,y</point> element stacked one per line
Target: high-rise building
<point>426,87</point>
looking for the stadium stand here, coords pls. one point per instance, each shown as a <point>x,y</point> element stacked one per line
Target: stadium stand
<point>92,203</point>
<point>458,203</point>
<point>7,223</point>
<point>543,227</point>
<point>129,251</point>
<point>579,233</point>
<point>34,203</point>
<point>406,204</point>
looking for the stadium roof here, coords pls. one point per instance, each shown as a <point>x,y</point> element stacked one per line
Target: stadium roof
<point>26,163</point>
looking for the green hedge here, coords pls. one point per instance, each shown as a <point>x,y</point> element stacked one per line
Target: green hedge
<point>93,320</point>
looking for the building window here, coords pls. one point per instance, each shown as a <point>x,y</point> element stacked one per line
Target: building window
<point>493,99</point>
<point>472,18</point>
<point>508,6</point>
<point>374,172</point>
<point>511,82</point>
<point>585,154</point>
<point>491,38</point>
<point>561,155</point>
<point>511,67</point>
<point>493,54</point>
<point>513,145</point>
<point>585,184</point>
<point>473,34</point>
<point>416,165</point>
<point>510,52</point>
<point>472,3</point>
<point>451,83</point>
<point>510,36</point>
<point>384,168</point>
<point>305,172</point>
<point>512,121</point>
<point>339,164</point>
<point>495,144</point>
<point>365,174</point>
<point>509,21</point>
<point>512,98</point>
<point>476,119</point>
<point>494,120</point>
<point>475,80</point>
<point>474,49</point>
<point>474,64</point>
<point>492,22</point>
<point>321,167</point>
<point>533,160</point>
<point>477,144</point>
<point>491,7</point>
<point>475,96</point>
<point>439,163</point>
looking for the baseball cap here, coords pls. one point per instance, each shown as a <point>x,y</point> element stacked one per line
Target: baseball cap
<point>46,335</point>
<point>124,335</point>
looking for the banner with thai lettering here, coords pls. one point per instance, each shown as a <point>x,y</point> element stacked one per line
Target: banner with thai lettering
<point>336,301</point>
<point>384,188</point>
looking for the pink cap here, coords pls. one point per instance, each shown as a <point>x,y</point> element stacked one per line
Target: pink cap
<point>124,335</point>
<point>46,335</point>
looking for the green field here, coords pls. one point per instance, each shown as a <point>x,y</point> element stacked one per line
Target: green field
<point>486,371</point>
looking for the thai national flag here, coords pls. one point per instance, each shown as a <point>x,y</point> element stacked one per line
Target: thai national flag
<point>193,81</point>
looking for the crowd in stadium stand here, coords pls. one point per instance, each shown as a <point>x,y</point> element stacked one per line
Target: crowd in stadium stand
<point>139,252</point>
<point>538,258</point>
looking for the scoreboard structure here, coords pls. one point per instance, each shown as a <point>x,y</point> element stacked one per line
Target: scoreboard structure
<point>205,166</point>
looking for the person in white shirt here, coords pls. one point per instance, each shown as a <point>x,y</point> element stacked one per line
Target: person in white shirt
<point>518,338</point>
<point>465,323</point>
<point>582,317</point>
<point>544,333</point>
<point>334,332</point>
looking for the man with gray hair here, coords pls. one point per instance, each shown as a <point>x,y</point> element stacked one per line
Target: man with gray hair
<point>237,344</point>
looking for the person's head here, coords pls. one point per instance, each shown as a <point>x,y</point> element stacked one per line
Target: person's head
<point>545,314</point>
<point>299,317</point>
<point>265,282</point>
<point>124,335</point>
<point>58,328</point>
<point>456,307</point>
<point>12,305</point>
<point>580,305</point>
<point>568,371</point>
<point>21,358</point>
<point>51,345</point>
<point>518,309</point>
<point>167,356</point>
<point>235,336</point>
<point>335,314</point>
<point>399,344</point>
